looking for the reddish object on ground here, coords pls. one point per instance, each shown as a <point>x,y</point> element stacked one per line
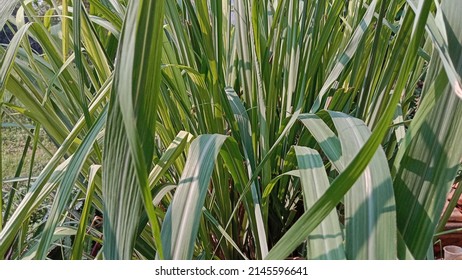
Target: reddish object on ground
<point>454,222</point>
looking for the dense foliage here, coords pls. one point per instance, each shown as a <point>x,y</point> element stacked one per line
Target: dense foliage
<point>245,129</point>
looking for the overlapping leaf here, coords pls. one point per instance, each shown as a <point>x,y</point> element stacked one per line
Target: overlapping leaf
<point>129,141</point>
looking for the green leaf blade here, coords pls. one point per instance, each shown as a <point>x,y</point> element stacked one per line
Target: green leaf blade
<point>326,241</point>
<point>182,220</point>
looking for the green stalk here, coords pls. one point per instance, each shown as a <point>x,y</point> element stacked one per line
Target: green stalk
<point>65,29</point>
<point>362,109</point>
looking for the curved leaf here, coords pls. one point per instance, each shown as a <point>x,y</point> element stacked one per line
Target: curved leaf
<point>326,241</point>
<point>182,220</point>
<point>129,141</point>
<point>430,158</point>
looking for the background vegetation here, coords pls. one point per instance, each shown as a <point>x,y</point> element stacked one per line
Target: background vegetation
<point>265,129</point>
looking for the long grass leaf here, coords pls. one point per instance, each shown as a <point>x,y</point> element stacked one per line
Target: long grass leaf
<point>5,69</point>
<point>129,144</point>
<point>78,244</point>
<point>346,56</point>
<point>326,241</point>
<point>6,8</point>
<point>68,182</point>
<point>47,180</point>
<point>430,162</point>
<point>244,131</point>
<point>339,187</point>
<point>369,205</point>
<point>182,220</point>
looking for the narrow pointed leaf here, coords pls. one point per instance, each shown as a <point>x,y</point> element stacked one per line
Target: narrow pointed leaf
<point>181,223</point>
<point>6,8</point>
<point>369,205</point>
<point>129,143</point>
<point>326,241</point>
<point>431,159</point>
<point>66,187</point>
<point>78,246</point>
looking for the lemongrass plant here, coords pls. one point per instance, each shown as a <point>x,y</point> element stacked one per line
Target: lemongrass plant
<point>234,129</point>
